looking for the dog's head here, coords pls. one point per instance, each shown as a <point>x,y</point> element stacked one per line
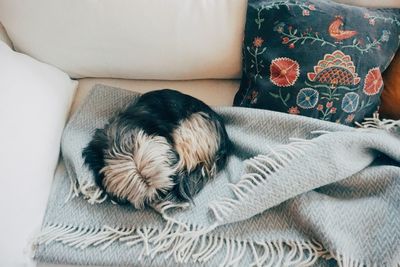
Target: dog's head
<point>130,165</point>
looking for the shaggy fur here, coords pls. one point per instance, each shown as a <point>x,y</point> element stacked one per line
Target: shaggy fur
<point>165,146</point>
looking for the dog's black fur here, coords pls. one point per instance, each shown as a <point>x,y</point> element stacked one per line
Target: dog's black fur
<point>159,113</point>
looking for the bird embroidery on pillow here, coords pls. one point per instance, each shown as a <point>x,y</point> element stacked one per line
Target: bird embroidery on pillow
<point>336,32</point>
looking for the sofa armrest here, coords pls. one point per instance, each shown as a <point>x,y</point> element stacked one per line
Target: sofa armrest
<point>34,102</point>
<point>4,36</point>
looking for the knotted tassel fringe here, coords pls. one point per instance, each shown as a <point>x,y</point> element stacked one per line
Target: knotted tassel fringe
<point>376,123</point>
<point>177,242</point>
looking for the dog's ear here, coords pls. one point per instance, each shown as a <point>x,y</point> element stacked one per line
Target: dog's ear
<point>93,154</point>
<point>225,146</point>
<point>188,185</point>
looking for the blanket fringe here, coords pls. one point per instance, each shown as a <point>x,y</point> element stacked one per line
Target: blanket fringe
<point>92,193</point>
<point>177,242</point>
<point>376,123</point>
<point>263,166</point>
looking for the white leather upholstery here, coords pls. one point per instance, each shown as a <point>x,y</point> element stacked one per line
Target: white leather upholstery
<point>4,36</point>
<point>212,92</point>
<point>135,39</point>
<point>34,102</point>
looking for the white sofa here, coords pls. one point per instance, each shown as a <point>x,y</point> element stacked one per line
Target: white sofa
<point>193,46</point>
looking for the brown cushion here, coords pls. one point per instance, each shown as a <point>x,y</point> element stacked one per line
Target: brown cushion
<point>390,99</point>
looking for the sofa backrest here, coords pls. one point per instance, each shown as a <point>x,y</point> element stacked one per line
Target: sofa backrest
<point>134,39</point>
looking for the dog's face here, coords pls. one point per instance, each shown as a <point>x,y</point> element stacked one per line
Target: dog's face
<point>130,165</point>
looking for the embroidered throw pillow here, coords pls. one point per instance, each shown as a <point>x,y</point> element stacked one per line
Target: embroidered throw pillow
<point>316,58</point>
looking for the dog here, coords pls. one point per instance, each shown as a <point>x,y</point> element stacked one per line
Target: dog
<point>163,147</point>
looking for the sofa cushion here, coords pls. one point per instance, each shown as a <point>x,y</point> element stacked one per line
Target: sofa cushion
<point>390,99</point>
<point>317,58</point>
<point>34,102</point>
<point>212,92</point>
<point>146,39</point>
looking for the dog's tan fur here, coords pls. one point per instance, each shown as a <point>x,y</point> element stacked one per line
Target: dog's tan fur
<point>140,169</point>
<point>195,143</point>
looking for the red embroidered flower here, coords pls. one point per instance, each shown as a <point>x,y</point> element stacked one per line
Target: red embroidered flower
<point>294,110</point>
<point>311,7</point>
<point>285,40</point>
<point>291,46</point>
<point>258,41</point>
<point>320,107</point>
<point>306,12</point>
<point>329,104</point>
<point>373,82</point>
<point>371,21</point>
<point>253,97</point>
<point>350,118</point>
<point>333,110</point>
<point>284,71</point>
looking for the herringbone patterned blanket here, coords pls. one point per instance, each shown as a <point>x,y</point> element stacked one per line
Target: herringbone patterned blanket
<point>296,192</point>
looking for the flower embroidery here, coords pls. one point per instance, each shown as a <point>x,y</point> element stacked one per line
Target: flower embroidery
<point>258,41</point>
<point>294,110</point>
<point>306,12</point>
<point>335,69</point>
<point>279,27</point>
<point>385,36</point>
<point>349,118</point>
<point>307,98</point>
<point>326,114</point>
<point>311,7</point>
<point>373,82</point>
<point>253,97</point>
<point>350,102</point>
<point>285,40</point>
<point>284,72</point>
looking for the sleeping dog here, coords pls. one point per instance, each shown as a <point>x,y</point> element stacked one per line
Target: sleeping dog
<point>164,147</point>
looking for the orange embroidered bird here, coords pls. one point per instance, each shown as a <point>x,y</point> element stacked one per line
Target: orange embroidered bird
<point>337,33</point>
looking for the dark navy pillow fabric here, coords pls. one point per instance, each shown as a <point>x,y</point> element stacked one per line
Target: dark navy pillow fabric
<point>316,58</point>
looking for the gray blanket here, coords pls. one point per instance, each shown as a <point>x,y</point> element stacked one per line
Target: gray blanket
<point>296,192</point>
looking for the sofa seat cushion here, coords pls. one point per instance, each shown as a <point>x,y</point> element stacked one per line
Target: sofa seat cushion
<point>212,92</point>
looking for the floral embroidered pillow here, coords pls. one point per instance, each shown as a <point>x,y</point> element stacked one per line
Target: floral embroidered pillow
<point>316,58</point>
